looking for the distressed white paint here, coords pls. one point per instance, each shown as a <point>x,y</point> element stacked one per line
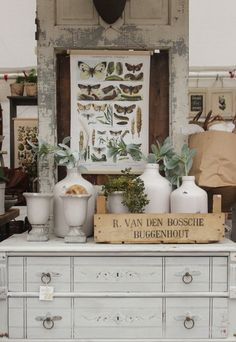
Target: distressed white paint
<point>118,306</point>
<point>143,33</point>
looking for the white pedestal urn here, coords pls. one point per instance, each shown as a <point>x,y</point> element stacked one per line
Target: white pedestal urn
<point>2,198</point>
<point>73,177</point>
<point>114,203</point>
<point>75,212</point>
<point>38,211</point>
<point>158,190</point>
<point>189,198</point>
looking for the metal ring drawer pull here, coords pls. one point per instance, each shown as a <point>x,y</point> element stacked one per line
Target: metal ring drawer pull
<point>48,323</point>
<point>48,320</point>
<point>187,278</point>
<point>189,323</point>
<point>46,278</point>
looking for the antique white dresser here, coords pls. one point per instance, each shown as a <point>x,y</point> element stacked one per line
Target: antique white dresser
<point>54,291</point>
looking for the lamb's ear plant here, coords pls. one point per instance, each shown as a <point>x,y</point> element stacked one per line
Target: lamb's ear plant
<point>160,153</point>
<point>179,165</point>
<point>175,165</point>
<point>63,155</point>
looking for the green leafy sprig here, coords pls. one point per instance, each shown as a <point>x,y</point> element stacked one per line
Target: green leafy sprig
<point>118,148</point>
<point>134,196</point>
<point>63,155</point>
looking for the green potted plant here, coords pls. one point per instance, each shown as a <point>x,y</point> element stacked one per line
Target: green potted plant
<point>125,193</point>
<point>3,181</point>
<point>17,88</point>
<point>31,83</point>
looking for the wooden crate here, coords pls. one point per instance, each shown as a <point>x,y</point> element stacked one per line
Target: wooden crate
<point>159,228</point>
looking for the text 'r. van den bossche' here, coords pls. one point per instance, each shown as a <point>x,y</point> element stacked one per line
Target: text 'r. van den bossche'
<point>180,224</point>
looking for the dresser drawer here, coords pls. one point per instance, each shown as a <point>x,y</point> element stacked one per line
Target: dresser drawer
<point>118,318</point>
<point>54,271</point>
<point>118,274</point>
<point>187,274</point>
<point>49,319</point>
<point>16,274</point>
<point>187,318</point>
<point>16,317</point>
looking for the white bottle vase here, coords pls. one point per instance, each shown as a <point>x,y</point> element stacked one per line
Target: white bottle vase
<point>189,198</point>
<point>158,190</point>
<point>61,228</point>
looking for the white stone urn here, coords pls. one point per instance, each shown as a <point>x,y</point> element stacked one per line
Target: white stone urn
<point>114,203</point>
<point>60,225</point>
<point>38,211</point>
<point>189,198</point>
<point>75,213</point>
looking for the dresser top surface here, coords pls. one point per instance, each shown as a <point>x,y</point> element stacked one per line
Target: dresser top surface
<point>19,244</point>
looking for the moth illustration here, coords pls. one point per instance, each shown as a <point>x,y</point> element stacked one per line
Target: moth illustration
<point>107,89</point>
<point>132,77</point>
<point>130,89</point>
<point>99,149</point>
<point>101,132</point>
<point>99,108</point>
<point>88,115</point>
<point>115,133</point>
<point>133,67</point>
<point>125,110</point>
<point>88,88</point>
<point>82,108</point>
<point>87,71</point>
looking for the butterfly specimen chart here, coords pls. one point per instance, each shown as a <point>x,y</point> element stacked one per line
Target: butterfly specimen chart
<point>110,109</point>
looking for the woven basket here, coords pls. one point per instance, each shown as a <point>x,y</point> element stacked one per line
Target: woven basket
<point>17,89</point>
<point>31,89</point>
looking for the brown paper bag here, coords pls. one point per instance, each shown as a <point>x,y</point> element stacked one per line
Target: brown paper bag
<point>214,164</point>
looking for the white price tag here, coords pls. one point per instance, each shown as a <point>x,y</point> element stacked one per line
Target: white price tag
<point>46,292</point>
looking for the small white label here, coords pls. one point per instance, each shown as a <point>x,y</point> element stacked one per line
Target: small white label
<point>46,292</point>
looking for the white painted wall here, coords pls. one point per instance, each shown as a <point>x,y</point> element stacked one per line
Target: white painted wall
<point>212,26</point>
<point>17,44</point>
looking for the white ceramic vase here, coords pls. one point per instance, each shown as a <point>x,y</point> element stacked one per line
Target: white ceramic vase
<point>61,228</point>
<point>189,198</point>
<point>38,211</point>
<point>158,190</point>
<point>2,198</point>
<point>75,212</point>
<point>114,203</point>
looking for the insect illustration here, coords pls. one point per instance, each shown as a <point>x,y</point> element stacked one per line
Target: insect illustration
<point>88,88</point>
<point>99,108</point>
<point>132,77</point>
<point>107,89</point>
<point>133,67</point>
<point>99,149</point>
<point>130,89</point>
<point>97,72</point>
<point>115,133</point>
<point>88,115</point>
<point>82,108</point>
<point>125,110</point>
<point>101,132</point>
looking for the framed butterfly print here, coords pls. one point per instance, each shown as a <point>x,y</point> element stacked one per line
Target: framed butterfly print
<point>110,109</point>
